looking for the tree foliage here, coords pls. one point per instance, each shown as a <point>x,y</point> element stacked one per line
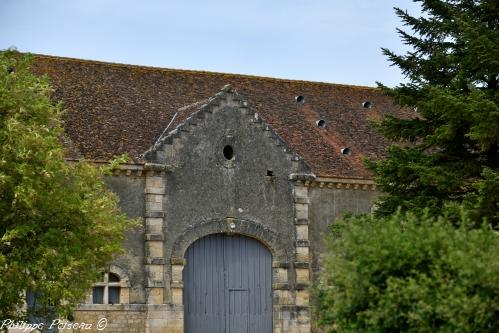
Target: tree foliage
<point>452,73</point>
<point>410,274</point>
<point>59,225</point>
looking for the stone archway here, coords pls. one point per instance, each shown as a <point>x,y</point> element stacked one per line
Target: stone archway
<point>284,300</point>
<point>280,252</point>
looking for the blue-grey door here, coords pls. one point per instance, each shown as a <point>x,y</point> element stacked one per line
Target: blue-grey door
<point>228,286</point>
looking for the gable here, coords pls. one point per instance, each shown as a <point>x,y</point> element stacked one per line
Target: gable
<point>222,121</point>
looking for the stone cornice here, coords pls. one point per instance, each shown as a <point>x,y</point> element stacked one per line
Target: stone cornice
<point>131,169</point>
<point>338,183</point>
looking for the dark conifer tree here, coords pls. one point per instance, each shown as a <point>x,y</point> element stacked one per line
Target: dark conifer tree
<point>452,71</point>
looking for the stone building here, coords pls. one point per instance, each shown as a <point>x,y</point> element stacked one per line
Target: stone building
<point>235,179</point>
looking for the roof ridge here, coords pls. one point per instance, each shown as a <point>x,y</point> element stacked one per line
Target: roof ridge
<point>198,72</point>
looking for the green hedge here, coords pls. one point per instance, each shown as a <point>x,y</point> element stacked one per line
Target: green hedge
<point>408,274</point>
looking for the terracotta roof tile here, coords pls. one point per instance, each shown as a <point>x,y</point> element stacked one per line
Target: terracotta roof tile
<point>115,109</point>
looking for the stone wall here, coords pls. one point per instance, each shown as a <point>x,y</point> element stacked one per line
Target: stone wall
<point>115,319</point>
<point>129,186</point>
<point>330,199</point>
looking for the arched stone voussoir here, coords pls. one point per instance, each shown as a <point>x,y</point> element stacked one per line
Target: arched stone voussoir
<point>122,274</point>
<point>248,228</point>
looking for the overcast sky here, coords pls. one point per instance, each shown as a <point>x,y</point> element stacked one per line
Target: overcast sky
<point>318,40</point>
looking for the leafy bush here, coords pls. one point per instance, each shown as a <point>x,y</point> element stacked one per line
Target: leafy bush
<point>409,274</point>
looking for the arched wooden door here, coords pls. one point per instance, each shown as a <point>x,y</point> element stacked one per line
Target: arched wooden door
<point>228,286</point>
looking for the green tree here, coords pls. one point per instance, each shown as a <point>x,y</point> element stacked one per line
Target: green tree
<point>409,274</point>
<point>452,73</point>
<point>59,225</point>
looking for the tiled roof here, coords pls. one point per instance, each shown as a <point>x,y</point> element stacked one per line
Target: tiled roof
<point>115,109</point>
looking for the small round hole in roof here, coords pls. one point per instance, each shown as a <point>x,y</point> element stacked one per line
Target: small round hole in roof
<point>367,104</point>
<point>346,151</point>
<point>300,99</point>
<point>321,123</point>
